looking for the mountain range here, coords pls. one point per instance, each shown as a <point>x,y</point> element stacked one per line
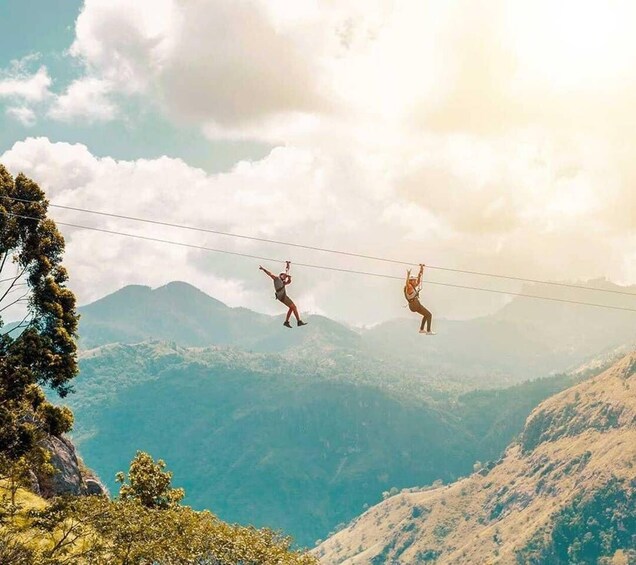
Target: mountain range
<point>526,339</point>
<point>299,429</point>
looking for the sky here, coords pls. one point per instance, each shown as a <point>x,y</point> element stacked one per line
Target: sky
<point>489,136</point>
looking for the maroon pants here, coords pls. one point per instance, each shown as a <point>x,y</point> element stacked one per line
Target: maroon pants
<point>427,317</point>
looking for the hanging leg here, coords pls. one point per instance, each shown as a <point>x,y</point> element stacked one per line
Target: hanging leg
<point>427,317</point>
<point>295,311</point>
<point>292,308</point>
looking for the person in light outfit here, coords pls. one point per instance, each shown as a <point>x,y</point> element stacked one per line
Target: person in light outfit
<point>412,294</point>
<point>280,288</point>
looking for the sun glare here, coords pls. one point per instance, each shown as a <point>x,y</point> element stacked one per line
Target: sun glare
<point>573,44</point>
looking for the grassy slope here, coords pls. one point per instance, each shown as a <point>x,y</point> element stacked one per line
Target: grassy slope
<point>573,444</point>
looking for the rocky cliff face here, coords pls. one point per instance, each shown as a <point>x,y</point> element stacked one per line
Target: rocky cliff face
<point>565,492</point>
<point>70,476</point>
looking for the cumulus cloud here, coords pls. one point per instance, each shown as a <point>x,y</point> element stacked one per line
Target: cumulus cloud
<point>332,200</point>
<point>292,194</point>
<point>27,94</point>
<point>23,114</point>
<point>123,42</point>
<point>283,193</point>
<point>275,70</point>
<point>16,84</point>
<point>22,90</point>
<point>260,72</point>
<point>213,62</point>
<point>86,99</point>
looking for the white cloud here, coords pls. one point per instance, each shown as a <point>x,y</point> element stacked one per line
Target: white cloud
<point>275,71</point>
<point>124,42</point>
<point>423,130</point>
<point>210,62</point>
<point>16,84</point>
<point>366,203</point>
<point>23,91</point>
<point>86,99</point>
<point>23,114</point>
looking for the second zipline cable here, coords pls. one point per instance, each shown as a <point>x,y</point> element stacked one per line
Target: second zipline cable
<point>320,249</point>
<point>322,267</point>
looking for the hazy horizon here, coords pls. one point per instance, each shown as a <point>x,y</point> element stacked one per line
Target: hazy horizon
<point>403,315</point>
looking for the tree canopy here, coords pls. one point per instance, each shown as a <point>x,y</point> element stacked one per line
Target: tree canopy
<point>149,484</point>
<point>145,525</point>
<point>40,348</point>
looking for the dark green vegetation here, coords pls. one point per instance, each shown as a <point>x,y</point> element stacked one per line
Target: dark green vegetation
<point>280,442</point>
<point>41,349</point>
<point>589,529</point>
<point>145,524</point>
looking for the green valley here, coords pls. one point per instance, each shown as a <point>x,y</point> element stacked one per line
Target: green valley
<point>301,430</point>
<point>260,438</point>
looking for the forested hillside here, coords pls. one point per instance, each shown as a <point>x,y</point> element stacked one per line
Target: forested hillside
<point>300,429</point>
<point>565,492</point>
<point>283,443</point>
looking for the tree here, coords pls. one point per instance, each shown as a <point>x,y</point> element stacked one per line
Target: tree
<point>149,484</point>
<point>144,525</point>
<point>94,530</point>
<point>40,349</point>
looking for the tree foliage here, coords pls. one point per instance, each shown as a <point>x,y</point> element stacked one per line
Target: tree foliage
<point>149,484</point>
<point>98,531</point>
<point>590,530</point>
<point>146,526</point>
<point>40,349</point>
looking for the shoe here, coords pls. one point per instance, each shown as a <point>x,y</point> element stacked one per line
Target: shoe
<point>301,323</point>
<point>287,324</point>
<point>431,333</point>
<point>423,331</point>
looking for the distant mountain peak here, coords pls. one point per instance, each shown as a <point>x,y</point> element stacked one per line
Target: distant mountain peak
<point>181,290</point>
<point>180,286</point>
<point>130,289</point>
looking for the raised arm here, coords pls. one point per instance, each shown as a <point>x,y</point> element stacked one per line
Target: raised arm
<point>408,276</point>
<point>419,275</point>
<point>266,272</point>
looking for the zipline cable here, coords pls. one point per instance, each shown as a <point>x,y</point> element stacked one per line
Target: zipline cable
<point>320,249</point>
<point>322,267</point>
